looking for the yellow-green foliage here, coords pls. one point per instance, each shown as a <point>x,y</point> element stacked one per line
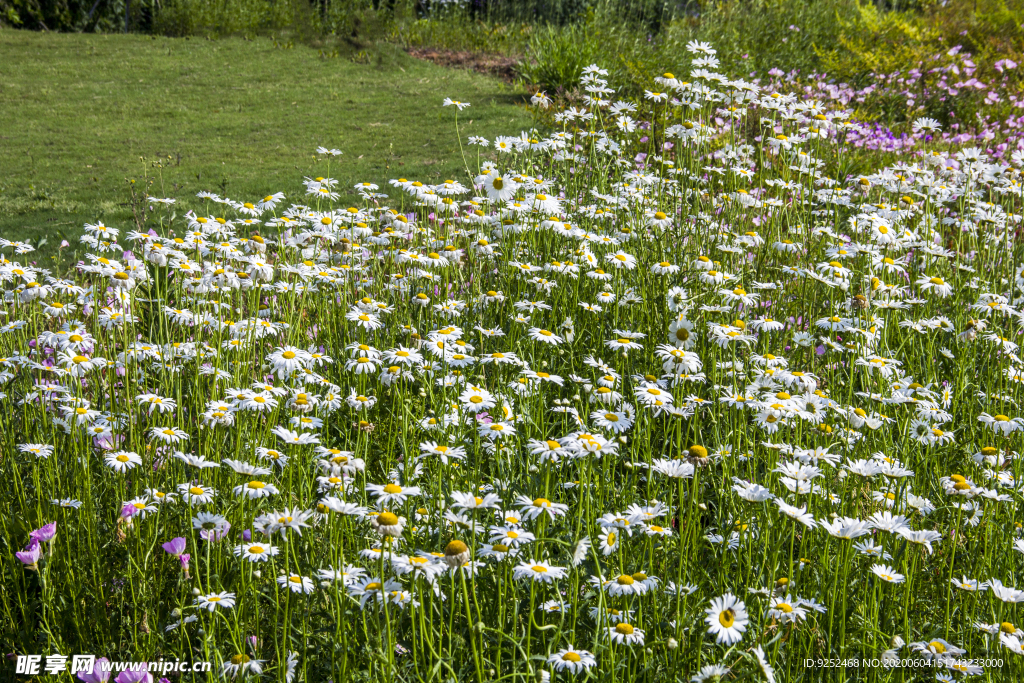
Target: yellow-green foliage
<point>873,42</point>
<point>870,41</point>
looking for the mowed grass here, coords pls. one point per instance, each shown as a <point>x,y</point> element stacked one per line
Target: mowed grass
<point>81,114</point>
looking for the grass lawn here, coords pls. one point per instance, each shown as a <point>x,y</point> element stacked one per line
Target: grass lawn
<point>81,114</point>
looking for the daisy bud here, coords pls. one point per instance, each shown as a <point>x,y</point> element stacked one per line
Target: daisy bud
<point>672,643</point>
<point>456,554</point>
<point>196,592</point>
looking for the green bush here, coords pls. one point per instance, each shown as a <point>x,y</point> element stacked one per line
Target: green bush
<point>557,57</point>
<point>65,15</point>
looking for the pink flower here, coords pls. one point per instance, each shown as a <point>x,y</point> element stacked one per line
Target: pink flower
<point>142,676</point>
<point>31,554</point>
<point>175,546</point>
<point>45,533</point>
<point>215,534</point>
<point>99,674</point>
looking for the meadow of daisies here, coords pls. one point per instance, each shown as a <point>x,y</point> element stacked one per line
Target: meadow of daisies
<point>685,390</point>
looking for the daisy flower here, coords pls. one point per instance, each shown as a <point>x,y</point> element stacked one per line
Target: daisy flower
<point>727,619</point>
<point>626,634</point>
<point>216,600</point>
<point>196,494</point>
<point>538,571</point>
<point>122,461</point>
<point>256,489</point>
<point>887,573</point>
<point>256,552</point>
<point>391,493</point>
<point>572,660</point>
<point>532,509</point>
<point>296,583</point>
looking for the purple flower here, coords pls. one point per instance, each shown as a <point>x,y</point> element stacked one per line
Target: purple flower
<point>128,511</point>
<point>215,534</point>
<point>31,554</point>
<point>141,676</point>
<point>99,674</point>
<point>175,546</point>
<point>45,533</point>
<point>247,536</point>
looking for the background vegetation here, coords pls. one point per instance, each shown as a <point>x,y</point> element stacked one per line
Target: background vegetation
<point>890,62</point>
<point>850,39</point>
<point>82,114</point>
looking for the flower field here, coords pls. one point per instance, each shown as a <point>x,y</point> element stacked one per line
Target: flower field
<point>702,386</point>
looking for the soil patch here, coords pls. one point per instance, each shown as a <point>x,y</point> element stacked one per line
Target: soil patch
<point>501,66</point>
